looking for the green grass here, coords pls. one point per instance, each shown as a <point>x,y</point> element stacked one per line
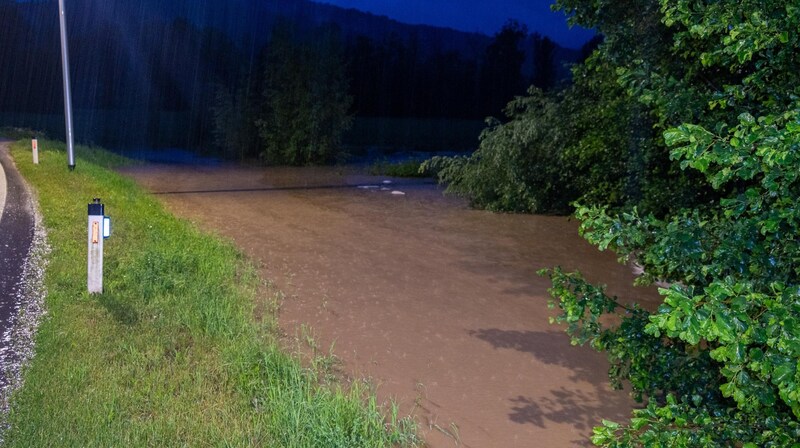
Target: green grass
<point>171,354</point>
<point>407,168</point>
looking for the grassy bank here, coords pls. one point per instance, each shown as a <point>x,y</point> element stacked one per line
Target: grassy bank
<point>406,168</point>
<point>171,354</point>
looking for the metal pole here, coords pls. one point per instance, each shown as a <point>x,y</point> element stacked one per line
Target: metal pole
<point>67,92</point>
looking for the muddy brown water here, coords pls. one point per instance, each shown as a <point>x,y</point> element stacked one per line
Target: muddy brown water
<point>439,305</point>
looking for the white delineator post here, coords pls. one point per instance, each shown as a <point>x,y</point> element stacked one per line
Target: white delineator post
<point>35,148</point>
<point>95,242</point>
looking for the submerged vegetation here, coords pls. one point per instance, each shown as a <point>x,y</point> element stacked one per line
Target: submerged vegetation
<point>405,168</point>
<point>172,354</point>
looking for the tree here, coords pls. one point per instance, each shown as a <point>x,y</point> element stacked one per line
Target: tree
<point>717,363</point>
<point>544,70</point>
<point>501,77</point>
<point>306,102</point>
<point>235,133</point>
<point>553,149</point>
<point>517,163</point>
<point>609,148</point>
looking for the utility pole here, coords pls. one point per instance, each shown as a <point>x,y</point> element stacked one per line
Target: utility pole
<point>67,92</point>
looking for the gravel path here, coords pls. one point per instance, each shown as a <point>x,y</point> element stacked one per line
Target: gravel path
<point>3,188</point>
<point>23,256</point>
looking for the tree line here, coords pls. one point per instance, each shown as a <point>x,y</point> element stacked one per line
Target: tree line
<point>160,82</point>
<point>298,94</point>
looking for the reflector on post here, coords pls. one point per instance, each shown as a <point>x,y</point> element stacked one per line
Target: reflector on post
<point>106,227</point>
<point>35,149</point>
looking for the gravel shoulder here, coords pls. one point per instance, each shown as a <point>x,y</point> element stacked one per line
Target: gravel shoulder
<point>3,182</point>
<point>23,258</point>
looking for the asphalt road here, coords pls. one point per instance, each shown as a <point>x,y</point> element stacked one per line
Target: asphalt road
<point>16,236</point>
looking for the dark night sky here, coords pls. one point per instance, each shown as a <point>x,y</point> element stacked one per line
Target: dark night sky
<point>476,15</point>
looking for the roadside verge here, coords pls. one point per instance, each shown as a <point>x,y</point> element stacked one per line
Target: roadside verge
<point>23,257</point>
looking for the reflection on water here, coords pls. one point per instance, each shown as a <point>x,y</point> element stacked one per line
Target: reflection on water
<point>169,156</point>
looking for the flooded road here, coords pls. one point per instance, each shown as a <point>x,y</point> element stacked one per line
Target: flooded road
<point>438,304</point>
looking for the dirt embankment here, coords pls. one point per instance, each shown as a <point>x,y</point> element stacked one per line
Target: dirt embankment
<point>438,304</point>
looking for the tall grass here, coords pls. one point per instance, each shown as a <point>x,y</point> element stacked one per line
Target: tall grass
<point>170,354</point>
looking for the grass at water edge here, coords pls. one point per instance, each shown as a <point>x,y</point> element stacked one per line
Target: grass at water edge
<point>170,354</point>
<point>406,168</point>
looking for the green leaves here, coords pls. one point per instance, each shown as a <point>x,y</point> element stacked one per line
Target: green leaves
<point>714,86</point>
<point>755,148</point>
<point>733,305</point>
<point>736,282</point>
<point>676,136</point>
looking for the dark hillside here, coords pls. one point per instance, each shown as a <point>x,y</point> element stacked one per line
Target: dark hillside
<point>145,72</point>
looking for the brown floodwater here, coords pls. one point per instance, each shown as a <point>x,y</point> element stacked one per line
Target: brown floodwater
<point>438,305</point>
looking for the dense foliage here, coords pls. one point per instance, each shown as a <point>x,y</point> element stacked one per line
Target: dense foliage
<point>681,137</point>
<point>234,129</point>
<point>306,104</point>
<point>296,97</point>
<point>718,363</point>
<point>518,164</point>
<point>608,124</point>
<point>553,149</point>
